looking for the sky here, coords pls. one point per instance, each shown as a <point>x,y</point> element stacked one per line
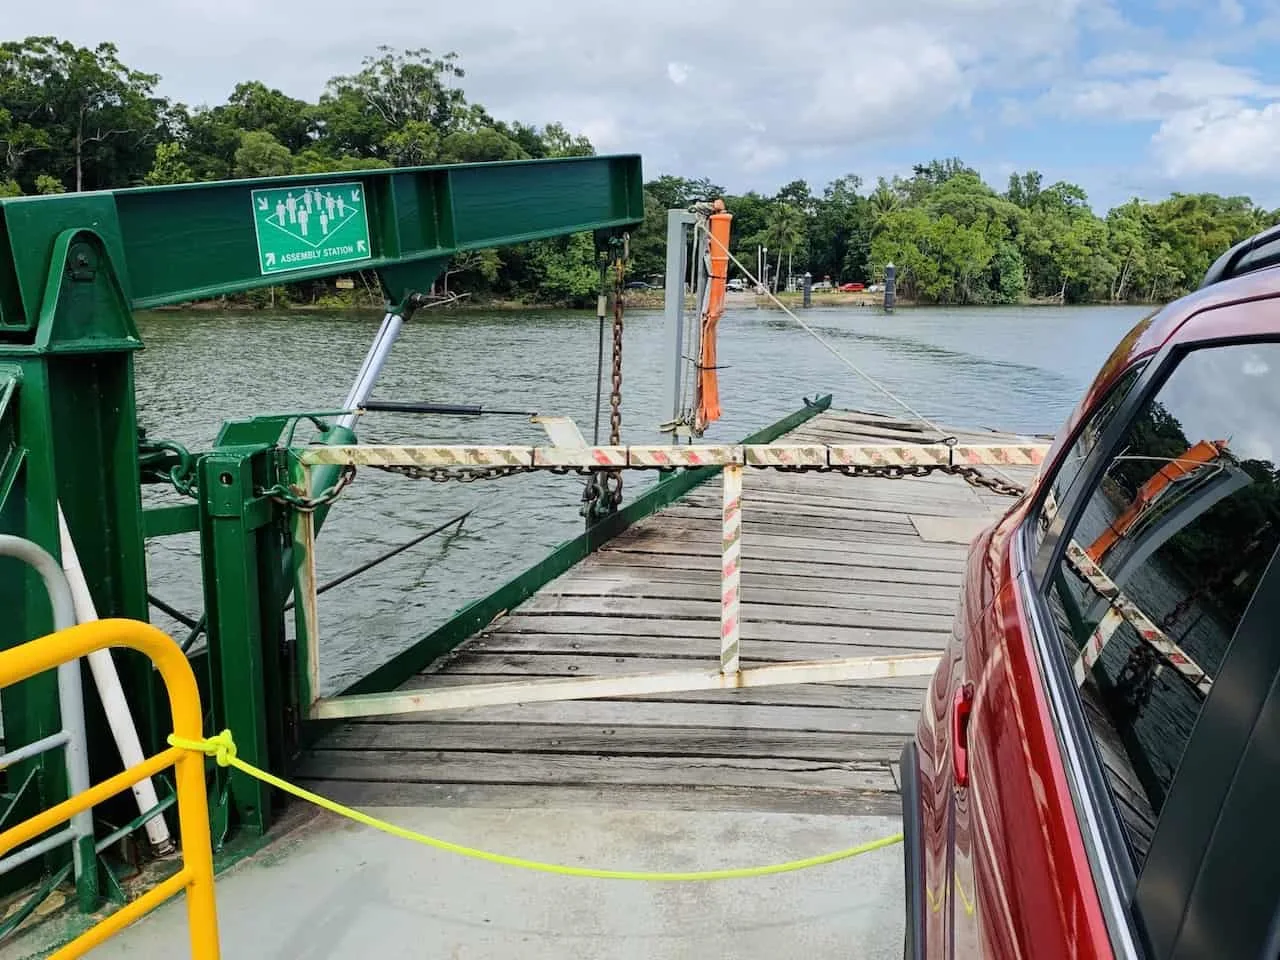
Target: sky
<point>1125,97</point>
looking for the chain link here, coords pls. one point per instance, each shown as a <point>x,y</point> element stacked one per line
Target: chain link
<point>447,474</point>
<point>182,475</point>
<point>971,475</point>
<point>284,494</point>
<point>613,479</point>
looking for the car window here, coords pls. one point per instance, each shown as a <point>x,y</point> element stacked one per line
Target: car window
<point>1164,559</point>
<point>1068,467</point>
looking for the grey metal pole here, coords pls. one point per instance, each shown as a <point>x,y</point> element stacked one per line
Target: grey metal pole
<point>374,361</point>
<point>678,224</point>
<point>70,697</point>
<point>890,287</point>
<point>808,289</point>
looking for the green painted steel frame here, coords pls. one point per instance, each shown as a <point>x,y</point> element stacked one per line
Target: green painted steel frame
<point>72,270</point>
<point>475,616</point>
<point>180,243</point>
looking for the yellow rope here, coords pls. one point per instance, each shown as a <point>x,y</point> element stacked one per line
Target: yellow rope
<point>223,749</point>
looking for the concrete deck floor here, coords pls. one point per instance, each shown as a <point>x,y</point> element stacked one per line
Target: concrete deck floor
<point>333,889</point>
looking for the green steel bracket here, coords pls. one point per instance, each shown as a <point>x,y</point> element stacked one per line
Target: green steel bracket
<point>175,244</point>
<point>167,520</point>
<point>268,428</point>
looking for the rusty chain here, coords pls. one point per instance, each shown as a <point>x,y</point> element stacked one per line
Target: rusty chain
<point>971,475</point>
<point>286,495</point>
<point>613,479</point>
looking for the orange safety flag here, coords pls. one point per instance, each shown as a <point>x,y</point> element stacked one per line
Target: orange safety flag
<point>708,410</point>
<point>1195,457</point>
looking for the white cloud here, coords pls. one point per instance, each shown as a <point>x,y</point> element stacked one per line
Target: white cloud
<point>1121,63</point>
<point>757,156</point>
<point>683,84</point>
<point>1223,139</point>
<point>1231,12</point>
<point>895,79</point>
<point>1185,85</point>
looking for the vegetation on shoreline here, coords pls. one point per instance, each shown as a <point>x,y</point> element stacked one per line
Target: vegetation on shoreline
<point>74,118</point>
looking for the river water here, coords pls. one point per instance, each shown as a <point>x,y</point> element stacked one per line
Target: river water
<point>1019,369</point>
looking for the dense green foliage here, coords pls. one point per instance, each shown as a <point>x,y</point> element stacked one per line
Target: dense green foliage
<point>73,118</point>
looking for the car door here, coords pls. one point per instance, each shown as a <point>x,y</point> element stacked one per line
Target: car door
<point>1152,586</point>
<point>996,823</point>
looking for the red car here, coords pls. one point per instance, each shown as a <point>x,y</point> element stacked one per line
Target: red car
<point>1096,768</point>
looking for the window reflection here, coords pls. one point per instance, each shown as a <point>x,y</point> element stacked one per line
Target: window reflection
<point>1168,552</point>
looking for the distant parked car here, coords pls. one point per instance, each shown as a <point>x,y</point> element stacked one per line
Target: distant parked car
<point>851,287</point>
<point>736,285</point>
<point>1095,767</point>
<point>640,285</point>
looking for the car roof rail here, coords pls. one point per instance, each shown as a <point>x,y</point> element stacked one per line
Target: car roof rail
<point>1259,251</point>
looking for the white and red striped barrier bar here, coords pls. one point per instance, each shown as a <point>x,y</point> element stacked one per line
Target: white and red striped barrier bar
<point>684,456</point>
<point>786,455</point>
<point>731,570</point>
<point>665,457</point>
<point>603,457</point>
<point>1122,608</point>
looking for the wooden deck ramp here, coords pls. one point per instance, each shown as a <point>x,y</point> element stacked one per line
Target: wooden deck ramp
<point>833,566</point>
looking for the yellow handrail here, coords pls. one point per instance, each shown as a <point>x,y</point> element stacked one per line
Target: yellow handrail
<point>196,875</point>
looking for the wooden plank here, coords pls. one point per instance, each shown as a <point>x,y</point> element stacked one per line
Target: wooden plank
<point>633,797</point>
<point>609,579</point>
<point>809,567</point>
<point>831,696</point>
<point>677,650</point>
<point>894,633</point>
<point>889,523</point>
<point>447,766</point>
<point>616,741</point>
<point>836,543</point>
<point>774,502</point>
<point>531,664</point>
<point>826,599</point>
<point>947,491</point>
<point>754,548</point>
<point>744,716</point>
<point>912,687</point>
<point>671,608</point>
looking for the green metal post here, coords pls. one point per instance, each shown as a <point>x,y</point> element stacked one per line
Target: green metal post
<point>75,424</point>
<point>241,552</point>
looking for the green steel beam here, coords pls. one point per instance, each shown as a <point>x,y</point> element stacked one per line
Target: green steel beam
<point>179,243</point>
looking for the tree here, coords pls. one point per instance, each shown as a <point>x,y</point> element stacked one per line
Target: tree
<point>559,142</point>
<point>17,140</point>
<point>883,201</point>
<point>254,106</point>
<point>415,144</point>
<point>475,267</point>
<point>357,112</point>
<point>476,146</point>
<point>169,166</point>
<point>784,233</point>
<point>839,234</point>
<point>47,185</point>
<point>565,269</point>
<point>678,193</point>
<point>99,119</point>
<point>261,156</point>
